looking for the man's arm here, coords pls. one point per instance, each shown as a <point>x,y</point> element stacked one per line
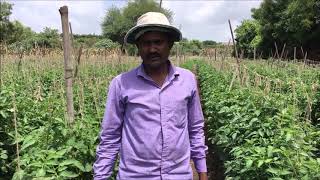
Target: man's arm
<point>196,133</point>
<point>110,136</point>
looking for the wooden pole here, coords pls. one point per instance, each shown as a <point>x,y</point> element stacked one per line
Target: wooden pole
<point>302,51</point>
<point>67,62</point>
<point>160,4</point>
<point>234,44</point>
<point>305,59</point>
<point>215,54</point>
<point>284,47</point>
<point>277,52</point>
<point>71,37</point>
<point>16,129</point>
<point>294,54</point>
<point>235,49</point>
<point>1,57</point>
<point>78,61</point>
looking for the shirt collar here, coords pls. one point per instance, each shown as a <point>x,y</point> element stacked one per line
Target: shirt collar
<point>173,72</point>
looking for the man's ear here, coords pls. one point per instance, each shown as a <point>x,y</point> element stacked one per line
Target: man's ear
<point>137,46</point>
<point>170,44</point>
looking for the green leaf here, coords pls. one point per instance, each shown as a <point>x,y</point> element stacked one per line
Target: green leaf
<point>260,162</point>
<point>285,172</point>
<point>41,172</point>
<point>249,163</point>
<point>270,151</point>
<point>88,168</point>
<point>61,152</point>
<point>288,136</point>
<point>27,143</point>
<point>234,135</point>
<point>4,156</point>
<point>68,174</point>
<point>18,175</point>
<point>3,114</point>
<point>272,170</point>
<point>73,162</point>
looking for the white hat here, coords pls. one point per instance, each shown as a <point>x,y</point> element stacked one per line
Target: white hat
<point>152,21</point>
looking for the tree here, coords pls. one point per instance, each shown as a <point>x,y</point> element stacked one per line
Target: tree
<point>5,24</point>
<point>209,43</point>
<point>106,43</point>
<point>49,38</point>
<point>248,37</point>
<point>117,21</point>
<point>294,22</point>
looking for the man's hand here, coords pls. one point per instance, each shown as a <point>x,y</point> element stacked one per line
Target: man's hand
<point>203,176</point>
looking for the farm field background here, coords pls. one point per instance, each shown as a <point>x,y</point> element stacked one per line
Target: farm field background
<point>261,124</point>
<point>259,83</point>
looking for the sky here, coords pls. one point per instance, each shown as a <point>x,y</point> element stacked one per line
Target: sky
<point>197,19</point>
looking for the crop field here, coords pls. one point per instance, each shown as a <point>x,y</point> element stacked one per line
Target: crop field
<point>266,124</point>
<point>260,123</point>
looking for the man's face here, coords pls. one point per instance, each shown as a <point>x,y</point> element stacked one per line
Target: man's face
<point>154,48</point>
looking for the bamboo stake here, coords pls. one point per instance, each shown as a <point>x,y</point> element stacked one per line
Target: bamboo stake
<point>305,59</point>
<point>277,52</point>
<point>294,54</point>
<point>1,57</point>
<point>235,49</point>
<point>302,51</point>
<point>16,129</point>
<point>78,62</point>
<point>284,47</point>
<point>67,62</point>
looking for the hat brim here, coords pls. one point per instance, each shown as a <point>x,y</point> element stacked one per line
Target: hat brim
<point>175,33</point>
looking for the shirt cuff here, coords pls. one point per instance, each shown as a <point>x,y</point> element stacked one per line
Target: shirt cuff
<point>200,165</point>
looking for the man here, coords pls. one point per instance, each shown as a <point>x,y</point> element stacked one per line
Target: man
<point>153,115</point>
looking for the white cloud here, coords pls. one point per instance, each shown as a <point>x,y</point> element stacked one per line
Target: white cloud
<point>204,20</point>
<point>85,16</point>
<point>208,20</point>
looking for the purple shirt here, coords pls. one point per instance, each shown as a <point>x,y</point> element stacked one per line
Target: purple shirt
<point>156,129</point>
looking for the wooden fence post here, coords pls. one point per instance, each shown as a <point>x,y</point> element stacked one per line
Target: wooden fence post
<point>294,54</point>
<point>277,52</point>
<point>67,62</point>
<point>235,50</point>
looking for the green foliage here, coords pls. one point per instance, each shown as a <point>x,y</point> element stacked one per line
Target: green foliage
<point>209,43</point>
<point>5,24</point>
<point>295,23</point>
<point>49,147</point>
<point>86,40</point>
<point>106,43</point>
<point>24,39</point>
<point>117,21</point>
<point>49,38</point>
<point>190,47</point>
<point>262,135</point>
<point>248,37</point>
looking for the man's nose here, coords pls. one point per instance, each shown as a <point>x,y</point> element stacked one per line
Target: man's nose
<point>153,48</point>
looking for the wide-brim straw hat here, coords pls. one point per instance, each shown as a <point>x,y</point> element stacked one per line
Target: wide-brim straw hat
<point>152,21</point>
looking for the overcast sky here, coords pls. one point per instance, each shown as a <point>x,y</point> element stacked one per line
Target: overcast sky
<point>203,20</point>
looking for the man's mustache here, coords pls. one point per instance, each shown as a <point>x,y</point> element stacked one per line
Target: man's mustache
<point>153,55</point>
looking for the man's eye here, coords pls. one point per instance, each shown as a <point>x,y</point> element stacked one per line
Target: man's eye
<point>158,42</point>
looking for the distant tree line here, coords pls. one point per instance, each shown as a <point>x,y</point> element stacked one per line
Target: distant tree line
<point>289,23</point>
<point>116,23</point>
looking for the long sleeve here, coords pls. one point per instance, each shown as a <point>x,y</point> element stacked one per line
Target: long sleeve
<point>110,135</point>
<point>196,132</point>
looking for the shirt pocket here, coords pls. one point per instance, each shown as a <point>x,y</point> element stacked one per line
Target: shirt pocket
<point>176,111</point>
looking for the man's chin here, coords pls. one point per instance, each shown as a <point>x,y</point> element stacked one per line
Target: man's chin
<point>154,64</point>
